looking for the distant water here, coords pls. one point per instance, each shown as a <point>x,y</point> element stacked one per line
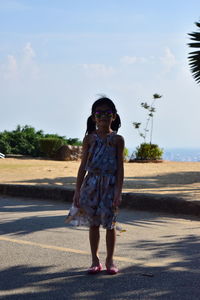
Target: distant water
<point>178,154</point>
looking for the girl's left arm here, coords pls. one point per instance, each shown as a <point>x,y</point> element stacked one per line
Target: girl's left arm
<point>120,170</point>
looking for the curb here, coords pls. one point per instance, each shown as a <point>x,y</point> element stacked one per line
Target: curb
<point>138,201</point>
<point>37,191</point>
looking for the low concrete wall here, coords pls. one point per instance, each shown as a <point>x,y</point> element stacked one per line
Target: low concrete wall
<point>162,203</point>
<point>139,201</point>
<point>37,191</point>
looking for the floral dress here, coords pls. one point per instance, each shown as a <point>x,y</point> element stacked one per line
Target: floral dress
<point>97,190</point>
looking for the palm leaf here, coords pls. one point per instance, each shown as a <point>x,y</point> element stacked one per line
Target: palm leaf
<point>194,57</point>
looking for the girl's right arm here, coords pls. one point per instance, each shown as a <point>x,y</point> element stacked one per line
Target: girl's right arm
<point>81,171</point>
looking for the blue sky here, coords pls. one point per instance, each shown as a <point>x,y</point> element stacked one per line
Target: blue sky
<point>56,57</point>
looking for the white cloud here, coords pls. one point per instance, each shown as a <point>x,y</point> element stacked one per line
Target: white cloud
<point>20,67</point>
<point>129,60</point>
<point>168,60</point>
<point>29,53</point>
<point>10,69</point>
<point>28,64</point>
<point>98,70</point>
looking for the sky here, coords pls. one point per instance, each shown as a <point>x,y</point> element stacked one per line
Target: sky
<point>57,57</point>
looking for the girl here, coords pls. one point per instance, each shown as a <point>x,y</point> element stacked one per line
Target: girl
<point>100,179</point>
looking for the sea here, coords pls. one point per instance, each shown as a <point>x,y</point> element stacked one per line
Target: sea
<point>177,154</point>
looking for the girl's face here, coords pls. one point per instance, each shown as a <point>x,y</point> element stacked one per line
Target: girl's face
<point>104,116</point>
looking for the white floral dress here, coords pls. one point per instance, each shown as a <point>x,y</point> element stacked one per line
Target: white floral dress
<point>97,190</point>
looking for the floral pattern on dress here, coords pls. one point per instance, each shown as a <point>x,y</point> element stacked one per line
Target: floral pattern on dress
<point>97,191</point>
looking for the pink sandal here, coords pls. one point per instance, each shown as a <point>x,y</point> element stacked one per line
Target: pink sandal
<point>95,269</point>
<point>112,270</point>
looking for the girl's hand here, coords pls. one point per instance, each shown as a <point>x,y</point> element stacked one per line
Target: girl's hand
<point>117,200</point>
<point>76,199</point>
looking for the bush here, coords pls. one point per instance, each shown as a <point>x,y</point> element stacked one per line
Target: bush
<point>25,140</point>
<point>74,142</point>
<point>20,141</point>
<point>126,154</point>
<point>49,146</point>
<point>4,144</point>
<point>148,152</point>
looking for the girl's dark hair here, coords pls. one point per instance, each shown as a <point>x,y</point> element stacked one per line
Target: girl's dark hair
<point>91,124</point>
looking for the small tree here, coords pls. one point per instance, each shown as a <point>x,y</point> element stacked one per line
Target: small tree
<point>149,122</point>
<point>147,151</point>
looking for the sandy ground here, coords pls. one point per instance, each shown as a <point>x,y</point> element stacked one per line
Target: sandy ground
<point>170,178</point>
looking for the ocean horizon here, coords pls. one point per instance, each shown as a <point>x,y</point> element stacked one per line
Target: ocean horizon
<point>177,154</point>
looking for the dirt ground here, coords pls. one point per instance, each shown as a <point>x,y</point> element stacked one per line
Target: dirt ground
<point>170,178</point>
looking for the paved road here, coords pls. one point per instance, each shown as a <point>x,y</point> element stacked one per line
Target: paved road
<point>41,258</point>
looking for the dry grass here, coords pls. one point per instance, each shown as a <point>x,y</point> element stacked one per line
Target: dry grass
<point>174,178</point>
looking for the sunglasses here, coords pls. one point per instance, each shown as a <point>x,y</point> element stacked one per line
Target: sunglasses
<point>105,113</point>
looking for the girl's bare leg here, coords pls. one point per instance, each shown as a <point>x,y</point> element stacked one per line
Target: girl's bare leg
<point>94,237</point>
<point>110,244</point>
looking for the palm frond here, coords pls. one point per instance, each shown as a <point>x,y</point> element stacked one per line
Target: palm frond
<point>194,57</point>
<point>197,24</point>
<point>194,36</point>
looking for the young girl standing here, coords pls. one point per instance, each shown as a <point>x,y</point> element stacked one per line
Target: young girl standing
<point>100,179</point>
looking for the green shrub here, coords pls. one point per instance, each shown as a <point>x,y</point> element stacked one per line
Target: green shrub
<point>4,144</point>
<point>74,142</point>
<point>148,152</point>
<point>22,140</point>
<point>25,140</point>
<point>125,154</point>
<point>49,146</point>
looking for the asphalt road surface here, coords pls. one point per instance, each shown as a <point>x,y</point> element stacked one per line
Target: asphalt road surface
<point>41,258</point>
